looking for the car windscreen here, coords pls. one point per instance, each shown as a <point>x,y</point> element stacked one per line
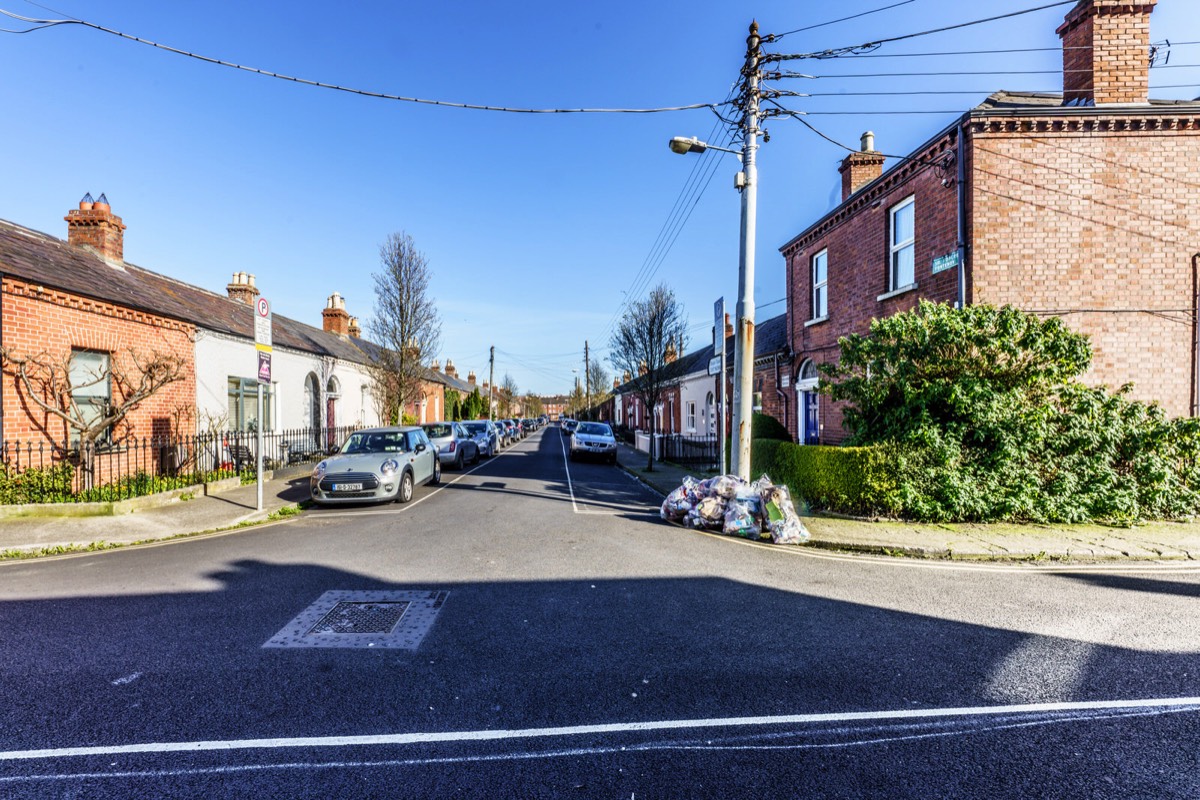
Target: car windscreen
<point>374,443</point>
<point>438,431</point>
<point>476,427</point>
<point>593,429</point>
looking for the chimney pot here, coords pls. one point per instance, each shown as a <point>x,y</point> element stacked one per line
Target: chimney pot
<point>867,142</point>
<point>334,318</point>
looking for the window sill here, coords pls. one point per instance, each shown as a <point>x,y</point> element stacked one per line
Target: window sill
<point>816,321</point>
<point>896,292</point>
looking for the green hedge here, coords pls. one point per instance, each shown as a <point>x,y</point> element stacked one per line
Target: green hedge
<point>847,480</point>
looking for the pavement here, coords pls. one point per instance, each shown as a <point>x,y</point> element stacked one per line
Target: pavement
<point>237,506</point>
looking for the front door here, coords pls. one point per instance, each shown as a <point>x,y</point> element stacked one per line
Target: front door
<point>811,419</point>
<point>330,422</point>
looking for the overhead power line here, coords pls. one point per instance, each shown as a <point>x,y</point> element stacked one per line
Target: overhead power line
<point>1004,51</point>
<point>835,52</point>
<point>47,23</point>
<point>776,37</point>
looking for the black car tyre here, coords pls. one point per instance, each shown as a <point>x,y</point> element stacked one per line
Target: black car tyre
<point>458,462</point>
<point>405,492</point>
<point>437,472</point>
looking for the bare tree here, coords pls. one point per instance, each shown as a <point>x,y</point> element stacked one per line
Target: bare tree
<point>91,400</point>
<point>508,393</point>
<point>405,323</point>
<point>646,344</point>
<point>600,383</point>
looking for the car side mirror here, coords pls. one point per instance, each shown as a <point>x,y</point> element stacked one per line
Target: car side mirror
<point>419,449</point>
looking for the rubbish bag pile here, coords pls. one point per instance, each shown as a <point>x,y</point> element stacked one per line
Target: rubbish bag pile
<point>758,510</point>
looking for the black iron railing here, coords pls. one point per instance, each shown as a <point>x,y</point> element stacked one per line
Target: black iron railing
<point>702,452</point>
<point>45,472</point>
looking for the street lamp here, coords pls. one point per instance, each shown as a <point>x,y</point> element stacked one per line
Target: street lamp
<point>743,359</point>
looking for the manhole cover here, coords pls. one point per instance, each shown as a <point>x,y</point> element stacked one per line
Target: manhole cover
<point>363,619</point>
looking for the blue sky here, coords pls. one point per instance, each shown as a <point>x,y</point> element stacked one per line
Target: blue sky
<point>536,226</point>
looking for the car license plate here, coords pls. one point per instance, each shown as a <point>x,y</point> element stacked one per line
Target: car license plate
<point>347,487</point>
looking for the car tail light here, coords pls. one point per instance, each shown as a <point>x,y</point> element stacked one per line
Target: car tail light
<point>452,444</point>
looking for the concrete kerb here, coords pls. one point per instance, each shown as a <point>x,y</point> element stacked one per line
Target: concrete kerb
<point>1163,542</point>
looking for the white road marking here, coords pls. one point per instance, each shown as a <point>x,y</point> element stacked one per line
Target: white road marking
<point>571,487</point>
<point>1162,705</point>
<point>127,679</point>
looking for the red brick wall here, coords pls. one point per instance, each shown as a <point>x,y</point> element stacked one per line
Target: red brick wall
<point>44,320</point>
<point>1094,219</point>
<point>857,238</point>
<point>1105,52</point>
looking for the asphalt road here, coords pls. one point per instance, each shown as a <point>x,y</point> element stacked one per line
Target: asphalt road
<point>579,647</point>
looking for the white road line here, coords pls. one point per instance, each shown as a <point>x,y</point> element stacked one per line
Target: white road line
<point>1159,704</point>
<point>571,487</point>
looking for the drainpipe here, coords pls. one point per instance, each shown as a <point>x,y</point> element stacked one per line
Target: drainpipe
<point>962,218</point>
<point>1196,335</point>
<point>781,394</point>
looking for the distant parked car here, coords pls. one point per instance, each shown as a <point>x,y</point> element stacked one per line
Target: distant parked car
<point>485,434</point>
<point>455,446</point>
<point>569,425</point>
<point>594,439</point>
<point>376,465</point>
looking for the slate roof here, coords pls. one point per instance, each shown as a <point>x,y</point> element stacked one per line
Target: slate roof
<point>47,261</point>
<point>1026,100</point>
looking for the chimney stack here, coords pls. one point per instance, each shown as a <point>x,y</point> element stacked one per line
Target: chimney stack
<point>94,227</point>
<point>242,288</point>
<point>436,366</point>
<point>354,329</point>
<point>1106,53</point>
<point>859,169</point>
<point>451,370</point>
<point>335,319</point>
<point>471,377</point>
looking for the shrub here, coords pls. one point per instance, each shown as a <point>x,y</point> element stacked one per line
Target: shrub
<point>36,485</point>
<point>764,426</point>
<point>848,480</point>
<point>982,413</point>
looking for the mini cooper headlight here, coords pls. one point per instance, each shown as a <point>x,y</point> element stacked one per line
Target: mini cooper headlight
<point>319,470</point>
<point>389,467</point>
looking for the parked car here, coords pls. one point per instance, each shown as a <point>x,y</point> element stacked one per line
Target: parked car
<point>594,439</point>
<point>486,436</point>
<point>514,433</point>
<point>569,425</point>
<point>455,446</point>
<point>376,465</point>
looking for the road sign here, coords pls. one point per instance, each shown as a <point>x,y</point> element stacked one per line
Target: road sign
<point>264,367</point>
<point>719,328</point>
<point>262,322</point>
<point>714,365</point>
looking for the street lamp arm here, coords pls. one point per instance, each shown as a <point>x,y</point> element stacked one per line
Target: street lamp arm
<point>682,145</point>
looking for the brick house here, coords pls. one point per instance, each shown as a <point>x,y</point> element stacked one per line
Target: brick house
<point>691,408</point>
<point>1080,205</point>
<point>80,305</point>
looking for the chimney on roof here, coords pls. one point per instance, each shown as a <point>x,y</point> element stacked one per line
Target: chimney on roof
<point>1106,52</point>
<point>616,382</point>
<point>242,288</point>
<point>451,370</point>
<point>354,329</point>
<point>859,169</point>
<point>436,366</point>
<point>335,319</point>
<point>471,377</point>
<point>728,326</point>
<point>94,227</point>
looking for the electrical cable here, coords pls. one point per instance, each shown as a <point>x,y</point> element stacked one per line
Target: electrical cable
<point>834,52</point>
<point>988,52</point>
<point>966,91</point>
<point>777,36</point>
<point>957,73</point>
<point>361,92</point>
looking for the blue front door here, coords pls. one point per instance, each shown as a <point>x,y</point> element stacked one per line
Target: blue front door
<point>812,429</point>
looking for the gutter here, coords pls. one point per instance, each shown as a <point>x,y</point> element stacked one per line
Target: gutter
<point>1196,335</point>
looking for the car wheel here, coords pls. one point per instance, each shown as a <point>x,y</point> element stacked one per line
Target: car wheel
<point>458,462</point>
<point>405,492</point>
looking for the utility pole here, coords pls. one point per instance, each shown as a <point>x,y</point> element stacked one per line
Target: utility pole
<point>587,380</point>
<point>743,364</point>
<point>491,381</point>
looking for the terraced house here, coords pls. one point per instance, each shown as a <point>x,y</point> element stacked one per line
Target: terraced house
<point>1079,204</point>
<point>79,325</point>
